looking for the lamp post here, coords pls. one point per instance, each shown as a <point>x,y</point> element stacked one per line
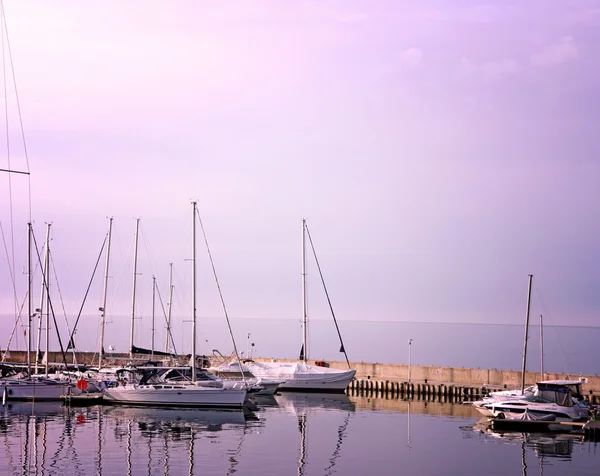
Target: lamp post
<point>409,357</point>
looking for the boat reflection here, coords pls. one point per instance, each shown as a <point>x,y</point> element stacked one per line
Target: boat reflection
<point>543,445</point>
<point>308,402</point>
<point>176,421</point>
<point>306,406</point>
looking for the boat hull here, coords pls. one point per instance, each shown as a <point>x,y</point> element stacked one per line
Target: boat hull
<point>15,389</point>
<point>173,396</point>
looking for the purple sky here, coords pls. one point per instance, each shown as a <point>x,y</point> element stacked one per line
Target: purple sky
<point>440,151</point>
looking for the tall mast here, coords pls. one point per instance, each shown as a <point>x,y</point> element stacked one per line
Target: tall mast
<point>104,293</point>
<point>194,293</point>
<point>304,355</point>
<point>526,335</point>
<point>47,279</point>
<point>170,306</point>
<point>542,346</point>
<point>40,311</point>
<point>153,307</point>
<point>29,299</point>
<point>135,253</point>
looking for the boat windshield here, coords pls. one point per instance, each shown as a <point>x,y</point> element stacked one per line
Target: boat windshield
<point>561,395</point>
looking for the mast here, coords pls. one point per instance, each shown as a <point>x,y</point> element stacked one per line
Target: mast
<point>153,308</point>
<point>170,306</point>
<point>526,335</point>
<point>29,301</point>
<point>47,279</point>
<point>137,227</point>
<point>194,293</point>
<point>542,345</point>
<point>304,353</point>
<point>103,308</point>
<point>40,311</point>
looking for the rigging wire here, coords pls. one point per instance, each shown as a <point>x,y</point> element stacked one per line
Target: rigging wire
<point>62,304</point>
<point>546,314</point>
<point>342,348</point>
<point>45,284</point>
<point>7,49</point>
<point>19,319</point>
<point>72,335</point>
<point>237,355</point>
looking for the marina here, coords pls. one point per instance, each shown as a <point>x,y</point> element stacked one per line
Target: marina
<point>443,153</point>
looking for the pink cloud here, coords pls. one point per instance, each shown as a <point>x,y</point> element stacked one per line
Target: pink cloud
<point>561,51</point>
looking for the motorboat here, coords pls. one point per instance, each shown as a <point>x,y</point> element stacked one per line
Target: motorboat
<point>554,398</point>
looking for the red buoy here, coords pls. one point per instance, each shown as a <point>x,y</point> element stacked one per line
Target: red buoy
<point>82,384</point>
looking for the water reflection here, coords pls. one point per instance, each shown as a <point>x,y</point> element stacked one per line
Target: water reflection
<point>548,447</point>
<point>305,406</point>
<point>548,444</point>
<point>291,433</point>
<point>24,428</point>
<point>174,421</point>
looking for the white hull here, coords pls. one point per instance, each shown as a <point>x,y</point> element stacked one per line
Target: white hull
<point>268,387</point>
<point>17,389</point>
<point>299,376</point>
<point>176,395</point>
<point>514,409</point>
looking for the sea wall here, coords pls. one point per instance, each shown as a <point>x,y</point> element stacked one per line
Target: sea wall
<point>453,375</point>
<point>376,371</point>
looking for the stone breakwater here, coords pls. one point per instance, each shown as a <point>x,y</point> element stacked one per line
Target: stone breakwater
<point>447,380</point>
<point>394,377</point>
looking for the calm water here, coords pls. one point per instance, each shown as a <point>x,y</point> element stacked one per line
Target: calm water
<point>307,434</point>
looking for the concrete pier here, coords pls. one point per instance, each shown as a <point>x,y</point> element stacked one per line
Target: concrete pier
<point>392,379</point>
<point>464,382</point>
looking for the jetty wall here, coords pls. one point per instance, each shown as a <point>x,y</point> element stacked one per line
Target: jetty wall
<point>372,371</point>
<point>451,375</point>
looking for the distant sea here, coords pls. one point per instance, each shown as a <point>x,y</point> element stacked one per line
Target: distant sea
<point>567,349</point>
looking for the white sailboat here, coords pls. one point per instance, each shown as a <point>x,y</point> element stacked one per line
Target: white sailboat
<point>159,391</point>
<point>300,375</point>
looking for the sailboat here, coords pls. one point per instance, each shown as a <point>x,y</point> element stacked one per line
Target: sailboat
<point>301,376</point>
<point>155,390</point>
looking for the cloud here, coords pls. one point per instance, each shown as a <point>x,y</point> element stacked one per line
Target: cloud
<point>589,17</point>
<point>489,70</point>
<point>411,57</point>
<point>562,51</point>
